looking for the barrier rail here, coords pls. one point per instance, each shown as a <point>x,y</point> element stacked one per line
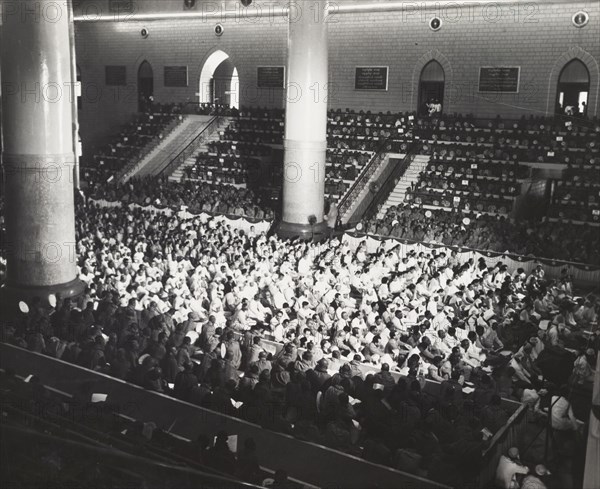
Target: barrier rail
<point>390,183</point>
<point>189,150</point>
<point>363,178</point>
<point>316,464</point>
<point>132,165</point>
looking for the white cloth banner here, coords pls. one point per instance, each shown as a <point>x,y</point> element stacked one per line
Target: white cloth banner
<point>241,223</point>
<point>528,264</point>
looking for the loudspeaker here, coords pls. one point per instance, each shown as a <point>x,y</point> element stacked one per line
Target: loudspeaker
<point>580,19</point>
<point>435,24</point>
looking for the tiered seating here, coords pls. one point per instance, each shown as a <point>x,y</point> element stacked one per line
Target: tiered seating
<point>535,140</point>
<point>577,195</point>
<point>353,140</point>
<point>342,168</point>
<point>264,126</point>
<point>222,168</point>
<point>233,159</point>
<point>136,139</point>
<point>356,131</point>
<point>469,184</point>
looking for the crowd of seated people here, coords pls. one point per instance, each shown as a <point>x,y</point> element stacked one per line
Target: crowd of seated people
<point>577,195</point>
<point>214,109</point>
<point>259,130</point>
<point>234,170</point>
<point>465,185</point>
<point>576,200</point>
<point>197,197</point>
<point>462,179</point>
<point>532,139</point>
<point>551,240</point>
<point>135,139</point>
<point>475,167</point>
<point>228,161</point>
<point>186,308</point>
<point>364,131</point>
<point>225,148</point>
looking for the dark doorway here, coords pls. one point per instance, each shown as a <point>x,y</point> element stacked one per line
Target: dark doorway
<point>145,86</point>
<point>431,88</point>
<point>573,89</point>
<point>79,100</point>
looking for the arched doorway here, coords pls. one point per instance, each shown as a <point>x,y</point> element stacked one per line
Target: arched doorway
<point>573,89</point>
<point>145,85</point>
<point>78,80</point>
<point>219,81</point>
<point>431,86</point>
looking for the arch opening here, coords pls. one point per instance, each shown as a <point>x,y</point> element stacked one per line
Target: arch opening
<point>79,89</point>
<point>219,81</point>
<point>145,86</point>
<point>573,89</point>
<point>431,88</point>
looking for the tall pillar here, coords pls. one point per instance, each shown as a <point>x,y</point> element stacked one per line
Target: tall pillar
<point>38,150</point>
<point>305,120</point>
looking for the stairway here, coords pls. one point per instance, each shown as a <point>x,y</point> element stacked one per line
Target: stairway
<point>359,204</point>
<point>411,176</point>
<point>178,174</point>
<point>155,161</point>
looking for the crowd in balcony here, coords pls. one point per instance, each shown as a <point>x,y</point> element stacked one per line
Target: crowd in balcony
<point>540,239</point>
<point>135,139</point>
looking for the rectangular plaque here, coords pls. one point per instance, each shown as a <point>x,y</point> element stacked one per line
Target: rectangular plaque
<point>120,6</point>
<point>116,75</point>
<point>270,76</point>
<point>176,76</point>
<point>371,78</point>
<point>499,79</point>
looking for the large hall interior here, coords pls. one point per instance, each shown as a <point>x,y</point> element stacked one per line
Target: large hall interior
<point>300,244</point>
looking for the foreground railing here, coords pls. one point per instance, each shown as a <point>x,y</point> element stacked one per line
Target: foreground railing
<point>315,464</point>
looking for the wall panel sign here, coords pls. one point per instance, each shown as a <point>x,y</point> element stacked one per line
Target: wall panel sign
<point>499,79</point>
<point>115,75</point>
<point>271,76</point>
<point>176,76</point>
<point>371,78</point>
<point>120,6</point>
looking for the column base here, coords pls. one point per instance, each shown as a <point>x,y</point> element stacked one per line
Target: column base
<point>305,232</point>
<point>11,295</point>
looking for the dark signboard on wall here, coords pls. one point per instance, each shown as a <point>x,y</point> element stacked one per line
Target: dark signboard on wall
<point>115,75</point>
<point>371,78</point>
<point>176,76</point>
<point>499,79</point>
<point>120,6</point>
<point>271,76</point>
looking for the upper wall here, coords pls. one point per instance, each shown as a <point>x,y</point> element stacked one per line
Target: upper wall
<point>537,37</point>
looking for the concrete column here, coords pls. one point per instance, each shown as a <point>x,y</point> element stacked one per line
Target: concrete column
<point>38,150</point>
<point>305,120</point>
